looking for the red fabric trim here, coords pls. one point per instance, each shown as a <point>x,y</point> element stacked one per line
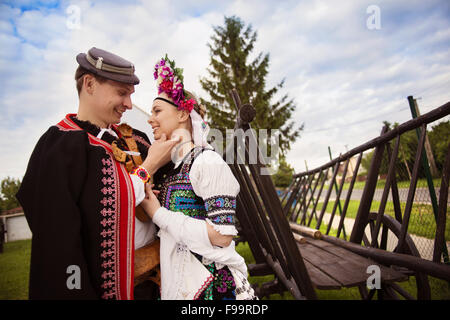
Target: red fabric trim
<point>203,287</point>
<point>125,204</point>
<point>125,216</point>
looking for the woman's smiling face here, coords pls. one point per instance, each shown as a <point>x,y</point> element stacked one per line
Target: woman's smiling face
<point>164,118</point>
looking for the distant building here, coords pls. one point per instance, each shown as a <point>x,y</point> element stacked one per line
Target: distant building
<point>16,225</point>
<point>350,170</point>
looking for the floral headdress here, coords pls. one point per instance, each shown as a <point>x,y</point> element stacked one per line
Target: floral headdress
<point>170,80</point>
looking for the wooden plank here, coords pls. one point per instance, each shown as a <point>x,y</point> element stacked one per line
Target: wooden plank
<point>321,280</point>
<point>345,267</point>
<point>347,274</point>
<point>387,274</point>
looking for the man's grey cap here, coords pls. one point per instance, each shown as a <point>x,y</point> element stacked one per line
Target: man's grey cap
<point>108,65</point>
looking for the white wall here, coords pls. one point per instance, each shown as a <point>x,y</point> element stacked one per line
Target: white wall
<point>17,227</point>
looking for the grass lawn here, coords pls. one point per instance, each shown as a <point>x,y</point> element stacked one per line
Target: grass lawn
<point>421,183</point>
<point>15,269</point>
<point>421,223</point>
<point>14,266</point>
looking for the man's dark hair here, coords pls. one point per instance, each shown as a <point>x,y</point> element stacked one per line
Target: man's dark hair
<point>79,75</point>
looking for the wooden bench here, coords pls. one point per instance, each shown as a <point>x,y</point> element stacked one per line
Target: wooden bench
<point>302,263</point>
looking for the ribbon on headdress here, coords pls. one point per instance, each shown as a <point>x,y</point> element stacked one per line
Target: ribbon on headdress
<point>200,130</point>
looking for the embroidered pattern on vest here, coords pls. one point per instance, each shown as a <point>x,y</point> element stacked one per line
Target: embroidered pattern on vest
<point>108,232</point>
<point>177,193</point>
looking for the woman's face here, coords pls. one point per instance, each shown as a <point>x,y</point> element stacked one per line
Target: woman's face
<point>164,118</point>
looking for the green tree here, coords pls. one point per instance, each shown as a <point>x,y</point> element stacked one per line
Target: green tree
<point>439,137</point>
<point>9,187</point>
<point>230,68</point>
<point>283,177</point>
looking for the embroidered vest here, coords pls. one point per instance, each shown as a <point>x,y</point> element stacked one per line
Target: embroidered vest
<point>176,191</point>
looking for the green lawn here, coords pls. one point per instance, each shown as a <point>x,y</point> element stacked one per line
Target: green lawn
<point>421,183</point>
<point>421,223</point>
<point>14,266</point>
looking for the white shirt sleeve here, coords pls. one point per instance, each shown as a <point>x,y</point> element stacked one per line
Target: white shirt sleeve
<point>213,181</point>
<point>139,188</point>
<point>144,232</point>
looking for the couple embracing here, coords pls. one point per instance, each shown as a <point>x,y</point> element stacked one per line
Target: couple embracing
<point>95,191</point>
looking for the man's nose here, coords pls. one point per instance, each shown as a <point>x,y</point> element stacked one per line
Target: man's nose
<point>127,103</point>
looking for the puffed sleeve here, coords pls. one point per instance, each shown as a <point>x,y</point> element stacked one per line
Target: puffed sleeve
<point>212,180</point>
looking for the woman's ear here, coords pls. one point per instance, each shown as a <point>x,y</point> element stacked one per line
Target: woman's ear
<point>183,116</point>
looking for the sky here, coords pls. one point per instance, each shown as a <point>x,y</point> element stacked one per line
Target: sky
<point>348,65</point>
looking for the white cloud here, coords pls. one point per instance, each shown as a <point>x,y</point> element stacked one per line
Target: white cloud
<point>337,70</point>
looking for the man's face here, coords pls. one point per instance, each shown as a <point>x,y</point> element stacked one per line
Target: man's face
<point>110,100</point>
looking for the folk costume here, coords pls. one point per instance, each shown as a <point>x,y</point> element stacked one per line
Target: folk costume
<point>198,189</point>
<point>79,202</point>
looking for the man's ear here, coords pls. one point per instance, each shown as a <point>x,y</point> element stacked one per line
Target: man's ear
<point>89,83</point>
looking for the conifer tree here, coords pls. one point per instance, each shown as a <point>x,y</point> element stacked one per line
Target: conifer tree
<point>230,68</point>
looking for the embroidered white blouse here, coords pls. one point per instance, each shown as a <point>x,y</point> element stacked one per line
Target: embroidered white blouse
<point>182,275</point>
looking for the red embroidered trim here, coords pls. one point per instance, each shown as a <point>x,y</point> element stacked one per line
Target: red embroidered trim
<point>118,221</point>
<point>203,287</point>
<point>141,140</point>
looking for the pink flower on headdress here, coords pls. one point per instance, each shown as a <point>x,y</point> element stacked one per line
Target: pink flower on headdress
<point>187,105</point>
<point>177,96</point>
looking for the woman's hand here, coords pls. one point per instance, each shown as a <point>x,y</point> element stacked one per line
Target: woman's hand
<point>159,153</point>
<point>150,204</point>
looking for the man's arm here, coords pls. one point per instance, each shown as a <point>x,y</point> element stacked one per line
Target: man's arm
<point>49,195</point>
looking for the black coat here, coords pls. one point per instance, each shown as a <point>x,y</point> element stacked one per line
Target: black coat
<point>79,204</point>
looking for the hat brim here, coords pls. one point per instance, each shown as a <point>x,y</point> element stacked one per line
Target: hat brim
<point>124,78</point>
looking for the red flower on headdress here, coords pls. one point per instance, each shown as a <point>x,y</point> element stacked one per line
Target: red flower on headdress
<point>187,105</point>
<point>166,86</point>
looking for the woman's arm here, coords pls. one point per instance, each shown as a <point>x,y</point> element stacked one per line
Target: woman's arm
<point>151,205</point>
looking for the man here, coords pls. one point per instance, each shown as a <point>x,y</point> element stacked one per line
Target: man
<point>79,200</point>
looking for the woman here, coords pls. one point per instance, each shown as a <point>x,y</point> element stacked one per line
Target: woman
<point>198,192</point>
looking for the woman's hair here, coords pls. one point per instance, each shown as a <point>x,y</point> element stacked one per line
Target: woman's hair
<point>201,110</point>
<point>79,75</point>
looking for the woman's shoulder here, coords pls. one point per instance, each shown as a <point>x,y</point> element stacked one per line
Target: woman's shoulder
<point>209,157</point>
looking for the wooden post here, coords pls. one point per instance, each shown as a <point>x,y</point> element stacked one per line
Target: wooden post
<point>439,241</point>
<point>428,150</point>
<point>433,198</point>
<point>362,216</point>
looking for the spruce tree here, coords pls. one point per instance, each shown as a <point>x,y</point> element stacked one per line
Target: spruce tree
<point>230,68</point>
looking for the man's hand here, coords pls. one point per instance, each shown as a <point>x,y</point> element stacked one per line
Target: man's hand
<point>159,153</point>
